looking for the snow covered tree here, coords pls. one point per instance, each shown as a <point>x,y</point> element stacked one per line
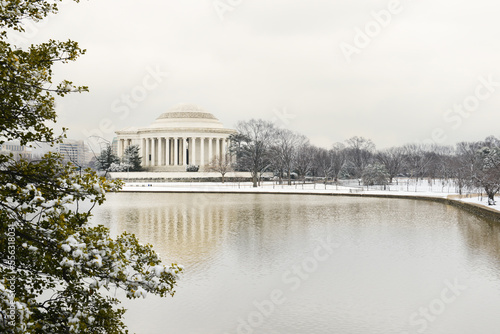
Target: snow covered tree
<point>121,167</point>
<point>192,168</point>
<point>375,174</point>
<point>132,158</point>
<point>487,171</point>
<point>106,159</point>
<point>56,268</point>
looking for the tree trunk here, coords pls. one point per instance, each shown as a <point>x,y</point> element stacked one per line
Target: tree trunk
<point>491,198</point>
<point>254,180</point>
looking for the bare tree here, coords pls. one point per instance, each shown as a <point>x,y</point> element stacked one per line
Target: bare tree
<point>304,159</point>
<point>417,159</point>
<point>284,151</point>
<point>221,164</point>
<point>338,159</point>
<point>323,162</point>
<point>392,159</point>
<point>277,163</point>
<point>441,165</point>
<point>251,145</point>
<point>359,153</point>
<point>460,171</point>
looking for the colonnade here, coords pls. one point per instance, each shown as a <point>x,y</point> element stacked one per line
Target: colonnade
<point>177,151</point>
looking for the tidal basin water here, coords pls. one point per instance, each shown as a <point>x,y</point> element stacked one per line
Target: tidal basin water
<point>261,263</point>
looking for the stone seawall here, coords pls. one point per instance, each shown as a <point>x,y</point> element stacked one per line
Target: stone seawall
<point>473,208</point>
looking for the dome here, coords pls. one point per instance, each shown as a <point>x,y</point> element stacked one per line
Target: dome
<point>186,110</point>
<point>186,115</point>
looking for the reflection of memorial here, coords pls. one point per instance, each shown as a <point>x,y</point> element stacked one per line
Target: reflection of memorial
<point>196,227</point>
<point>179,230</point>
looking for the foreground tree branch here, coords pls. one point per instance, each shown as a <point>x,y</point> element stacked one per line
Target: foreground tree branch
<point>56,267</point>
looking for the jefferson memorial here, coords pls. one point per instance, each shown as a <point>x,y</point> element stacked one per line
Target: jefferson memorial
<point>184,135</point>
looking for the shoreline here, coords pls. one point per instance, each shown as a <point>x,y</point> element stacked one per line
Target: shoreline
<point>464,202</point>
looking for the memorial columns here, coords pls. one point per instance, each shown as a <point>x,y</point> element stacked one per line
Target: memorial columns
<point>153,151</point>
<point>162,152</point>
<point>202,151</point>
<point>146,159</point>
<point>143,150</point>
<point>210,144</point>
<point>176,151</point>
<point>184,151</point>
<point>193,149</point>
<point>217,148</point>
<point>167,151</point>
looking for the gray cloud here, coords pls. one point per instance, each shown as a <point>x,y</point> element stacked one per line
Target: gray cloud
<point>274,54</point>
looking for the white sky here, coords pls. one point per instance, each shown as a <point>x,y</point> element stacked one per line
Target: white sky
<point>282,61</point>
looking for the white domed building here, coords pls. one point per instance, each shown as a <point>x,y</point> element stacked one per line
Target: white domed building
<point>184,135</point>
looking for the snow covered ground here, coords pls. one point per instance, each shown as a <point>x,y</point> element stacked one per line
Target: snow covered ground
<point>477,199</point>
<point>404,187</point>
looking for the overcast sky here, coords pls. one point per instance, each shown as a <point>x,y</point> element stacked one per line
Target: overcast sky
<point>392,71</point>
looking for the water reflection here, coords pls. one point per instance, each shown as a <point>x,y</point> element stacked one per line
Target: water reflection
<point>482,237</point>
<point>392,258</point>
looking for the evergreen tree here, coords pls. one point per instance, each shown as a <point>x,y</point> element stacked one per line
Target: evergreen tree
<point>106,159</point>
<point>132,158</point>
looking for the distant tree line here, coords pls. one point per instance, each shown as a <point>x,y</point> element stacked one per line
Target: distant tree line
<point>259,146</point>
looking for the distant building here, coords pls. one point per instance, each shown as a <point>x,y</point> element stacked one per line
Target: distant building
<point>184,135</point>
<point>17,149</point>
<point>75,151</point>
<point>114,146</point>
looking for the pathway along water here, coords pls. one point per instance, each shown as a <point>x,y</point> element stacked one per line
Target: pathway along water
<point>260,263</point>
